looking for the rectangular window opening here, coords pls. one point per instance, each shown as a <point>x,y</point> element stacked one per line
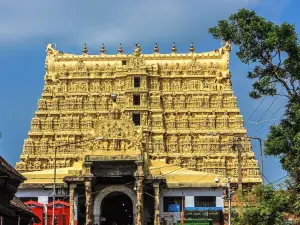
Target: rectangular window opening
<point>124,62</point>
<point>136,118</point>
<point>136,99</point>
<point>205,201</point>
<point>137,82</point>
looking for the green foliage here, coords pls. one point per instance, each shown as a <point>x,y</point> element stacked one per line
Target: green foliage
<point>274,49</point>
<point>284,141</point>
<point>262,206</point>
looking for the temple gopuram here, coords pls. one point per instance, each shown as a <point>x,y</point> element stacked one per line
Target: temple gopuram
<point>129,138</point>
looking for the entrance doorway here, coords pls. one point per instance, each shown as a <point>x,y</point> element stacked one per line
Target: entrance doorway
<point>116,209</point>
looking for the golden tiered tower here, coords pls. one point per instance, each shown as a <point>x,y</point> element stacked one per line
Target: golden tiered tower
<point>171,108</point>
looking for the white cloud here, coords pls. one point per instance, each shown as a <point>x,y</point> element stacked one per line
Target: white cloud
<point>112,21</point>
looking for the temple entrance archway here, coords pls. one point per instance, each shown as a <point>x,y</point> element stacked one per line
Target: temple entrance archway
<point>112,202</point>
<point>116,208</point>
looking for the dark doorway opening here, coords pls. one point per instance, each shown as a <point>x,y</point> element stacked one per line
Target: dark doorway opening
<point>116,209</point>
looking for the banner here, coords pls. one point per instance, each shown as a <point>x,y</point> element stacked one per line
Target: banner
<point>174,208</point>
<point>204,208</point>
<point>214,213</point>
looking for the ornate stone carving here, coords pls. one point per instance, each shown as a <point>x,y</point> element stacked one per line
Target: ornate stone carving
<point>184,97</point>
<point>106,191</point>
<point>156,203</point>
<point>136,62</point>
<point>194,68</point>
<point>88,201</point>
<point>72,196</point>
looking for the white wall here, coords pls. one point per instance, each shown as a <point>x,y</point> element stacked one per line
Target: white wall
<point>189,194</point>
<point>33,192</point>
<point>36,192</point>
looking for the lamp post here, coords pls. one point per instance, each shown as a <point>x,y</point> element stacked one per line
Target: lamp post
<point>229,201</point>
<point>54,175</point>
<point>260,149</point>
<point>261,156</point>
<point>217,180</point>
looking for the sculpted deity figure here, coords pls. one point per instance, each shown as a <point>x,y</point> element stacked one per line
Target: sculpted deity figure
<point>49,123</point>
<point>206,101</point>
<point>143,99</point>
<point>199,101</point>
<point>177,161</point>
<point>96,86</point>
<point>149,119</point>
<point>225,123</point>
<point>106,85</point>
<point>64,87</point>
<point>212,120</point>
<point>223,80</point>
<point>48,88</point>
<point>193,162</point>
<point>205,120</point>
<point>173,144</point>
<point>103,102</point>
<point>187,143</point>
<point>86,122</point>
<point>78,101</point>
<point>200,85</point>
<point>35,124</point>
<point>128,82</point>
<point>177,69</point>
<point>118,84</point>
<point>144,120</point>
<point>166,85</point>
<point>166,70</point>
<point>168,101</point>
<point>176,85</point>
<point>143,82</point>
<point>57,87</point>
<point>228,84</point>
<point>182,100</point>
<point>91,102</point>
<point>184,120</point>
<point>212,69</point>
<point>42,105</point>
<point>97,70</point>
<point>75,122</point>
<point>21,166</point>
<point>155,84</point>
<point>172,120</point>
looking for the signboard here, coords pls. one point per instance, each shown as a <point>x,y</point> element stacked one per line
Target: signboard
<point>174,208</point>
<point>203,208</point>
<point>100,158</point>
<point>214,213</point>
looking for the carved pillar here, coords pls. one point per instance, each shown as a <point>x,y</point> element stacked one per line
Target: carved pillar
<point>72,195</point>
<point>88,201</point>
<point>139,176</point>
<point>156,203</point>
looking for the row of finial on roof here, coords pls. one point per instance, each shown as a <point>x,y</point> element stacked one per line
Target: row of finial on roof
<point>138,49</point>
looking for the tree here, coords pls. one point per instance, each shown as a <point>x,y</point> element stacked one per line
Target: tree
<point>262,206</point>
<point>274,49</point>
<point>284,141</point>
<point>275,52</point>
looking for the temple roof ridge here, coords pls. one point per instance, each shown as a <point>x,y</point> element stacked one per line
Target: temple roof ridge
<point>220,52</point>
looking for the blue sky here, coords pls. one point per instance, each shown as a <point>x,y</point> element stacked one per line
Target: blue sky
<point>25,27</point>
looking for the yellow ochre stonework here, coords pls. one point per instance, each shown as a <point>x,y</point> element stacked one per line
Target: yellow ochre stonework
<point>188,112</point>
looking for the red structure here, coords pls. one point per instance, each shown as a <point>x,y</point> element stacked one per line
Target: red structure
<point>61,212</point>
<point>37,209</point>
